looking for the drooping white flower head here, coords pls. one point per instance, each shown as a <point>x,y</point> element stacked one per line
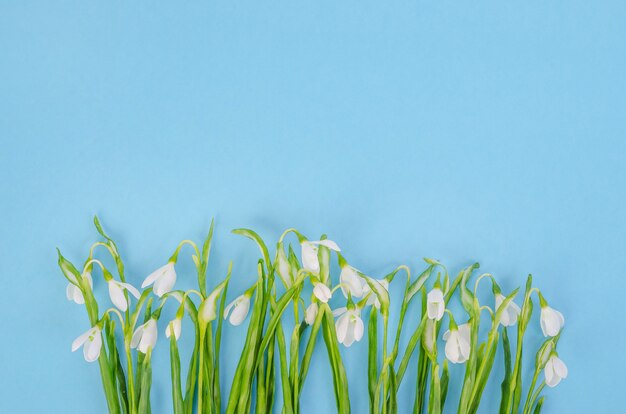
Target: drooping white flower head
<point>163,279</point>
<point>240,307</point>
<point>73,292</point>
<point>351,282</point>
<point>116,292</point>
<point>554,371</point>
<point>373,298</point>
<point>435,304</point>
<point>175,325</point>
<point>510,313</point>
<point>311,313</point>
<point>310,261</point>
<point>551,321</point>
<point>458,344</point>
<point>91,342</point>
<point>322,292</point>
<point>145,336</point>
<point>349,327</point>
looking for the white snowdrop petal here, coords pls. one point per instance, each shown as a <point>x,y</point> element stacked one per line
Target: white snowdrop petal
<point>134,342</point>
<point>81,340</point>
<point>231,305</point>
<point>77,296</point>
<point>117,296</point>
<point>341,327</point>
<point>69,292</point>
<point>359,328</point>
<point>240,312</point>
<point>152,277</point>
<point>311,313</point>
<point>329,243</point>
<point>452,349</point>
<point>92,348</point>
<point>133,290</point>
<point>559,367</point>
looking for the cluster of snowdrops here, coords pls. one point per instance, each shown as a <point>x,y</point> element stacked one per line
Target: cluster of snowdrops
<point>122,337</point>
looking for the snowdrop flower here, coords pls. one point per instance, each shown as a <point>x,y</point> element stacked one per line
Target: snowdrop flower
<point>435,304</point>
<point>73,292</point>
<point>240,307</point>
<point>457,343</point>
<point>510,313</point>
<point>145,336</point>
<point>555,371</point>
<point>310,260</point>
<point>91,342</point>
<point>163,279</point>
<point>311,313</point>
<point>322,292</point>
<point>175,325</point>
<point>373,299</point>
<point>116,292</point>
<point>551,320</point>
<point>349,327</point>
<point>351,281</point>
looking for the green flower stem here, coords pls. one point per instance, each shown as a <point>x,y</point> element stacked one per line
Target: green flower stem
<point>288,401</point>
<point>177,397</point>
<point>515,385</point>
<point>308,353</point>
<point>529,401</point>
<point>536,395</point>
<point>201,373</point>
<point>372,358</point>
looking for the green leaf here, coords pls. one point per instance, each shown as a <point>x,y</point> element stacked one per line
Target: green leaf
<point>69,270</point>
<point>177,397</point>
<point>372,356</point>
<point>204,262</point>
<point>340,380</point>
<point>146,383</point>
<point>259,241</point>
<point>506,382</point>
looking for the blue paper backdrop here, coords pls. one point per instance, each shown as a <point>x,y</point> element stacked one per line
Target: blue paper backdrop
<point>490,131</point>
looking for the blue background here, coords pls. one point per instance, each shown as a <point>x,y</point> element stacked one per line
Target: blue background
<point>490,131</point>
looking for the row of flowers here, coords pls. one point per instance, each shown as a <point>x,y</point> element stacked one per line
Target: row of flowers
<point>360,291</point>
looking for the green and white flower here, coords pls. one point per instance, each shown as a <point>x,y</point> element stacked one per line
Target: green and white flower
<point>349,326</point>
<point>174,327</point>
<point>310,261</point>
<point>457,343</point>
<point>163,279</point>
<point>311,313</point>
<point>551,320</point>
<point>351,282</point>
<point>145,336</point>
<point>74,293</point>
<point>322,292</point>
<point>510,313</point>
<point>554,371</point>
<point>240,307</point>
<point>116,292</point>
<point>91,341</point>
<point>436,304</point>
